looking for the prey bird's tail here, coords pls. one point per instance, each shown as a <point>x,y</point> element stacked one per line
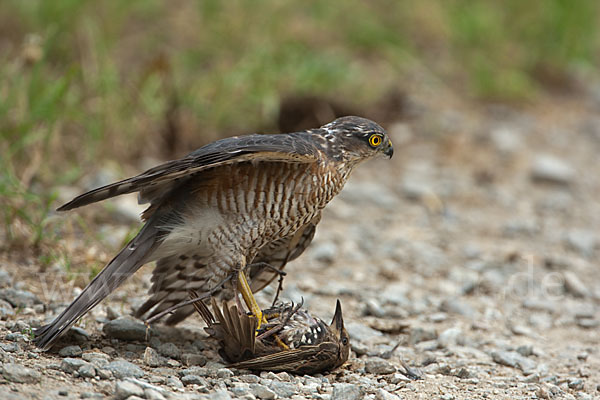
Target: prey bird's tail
<point>137,252</point>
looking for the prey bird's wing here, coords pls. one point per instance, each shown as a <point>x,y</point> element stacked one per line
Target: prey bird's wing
<point>157,182</point>
<point>303,360</point>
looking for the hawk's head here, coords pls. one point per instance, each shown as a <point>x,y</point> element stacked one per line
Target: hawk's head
<point>356,139</point>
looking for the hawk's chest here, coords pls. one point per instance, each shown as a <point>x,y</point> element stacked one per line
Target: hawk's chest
<point>277,190</point>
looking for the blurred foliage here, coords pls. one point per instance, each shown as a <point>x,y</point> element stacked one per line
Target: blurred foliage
<point>88,80</point>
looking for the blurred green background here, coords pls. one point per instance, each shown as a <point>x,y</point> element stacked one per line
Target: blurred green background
<point>84,81</point>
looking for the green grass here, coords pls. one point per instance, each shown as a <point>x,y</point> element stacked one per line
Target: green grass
<point>84,81</point>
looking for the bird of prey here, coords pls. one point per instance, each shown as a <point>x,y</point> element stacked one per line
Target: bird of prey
<point>233,205</point>
<point>291,340</point>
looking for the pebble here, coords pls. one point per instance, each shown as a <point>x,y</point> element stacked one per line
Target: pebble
<point>360,332</point>
<point>70,365</point>
<point>382,394</point>
<point>450,337</point>
<point>283,389</point>
<point>125,328</point>
<point>125,389</point>
<point>551,169</point>
<point>19,298</point>
<point>169,350</point>
<point>514,359</point>
<point>70,351</point>
<point>220,395</point>
<point>152,394</point>
<point>191,359</point>
<point>19,374</point>
<point>457,306</point>
<point>261,391</point>
<point>6,309</point>
<point>575,384</point>
<point>582,241</point>
<point>418,334</point>
<point>193,380</point>
<point>347,391</point>
<point>87,371</point>
<point>574,285</point>
<point>379,366</point>
<point>152,358</point>
<point>123,369</point>
<point>6,279</point>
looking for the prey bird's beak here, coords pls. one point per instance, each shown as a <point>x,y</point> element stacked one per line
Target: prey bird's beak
<point>338,320</point>
<point>389,150</point>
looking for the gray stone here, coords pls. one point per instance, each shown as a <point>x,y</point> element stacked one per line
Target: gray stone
<point>125,328</point>
<point>122,369</point>
<point>70,365</point>
<point>575,384</point>
<point>191,359</point>
<point>261,391</point>
<point>19,298</point>
<point>152,359</point>
<point>6,279</point>
<point>220,395</point>
<point>174,382</point>
<point>6,309</point>
<point>70,351</point>
<point>224,373</point>
<point>20,374</point>
<point>10,347</point>
<point>170,350</point>
<point>87,371</point>
<point>193,379</point>
<point>200,371</point>
<point>457,306</point>
<point>582,241</point>
<point>124,389</point>
<point>418,334</point>
<point>547,168</point>
<point>574,285</point>
<point>152,394</point>
<point>96,358</point>
<point>283,389</point>
<point>347,391</point>
<point>450,337</point>
<point>361,332</point>
<point>383,394</point>
<point>514,359</point>
<point>379,366</point>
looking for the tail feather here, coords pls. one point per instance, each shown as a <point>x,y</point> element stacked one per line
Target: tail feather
<point>129,260</point>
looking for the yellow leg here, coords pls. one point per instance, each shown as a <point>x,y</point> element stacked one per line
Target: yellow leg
<point>246,292</point>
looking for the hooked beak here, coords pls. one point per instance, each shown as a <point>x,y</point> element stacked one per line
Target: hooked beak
<point>389,150</point>
<point>338,320</point>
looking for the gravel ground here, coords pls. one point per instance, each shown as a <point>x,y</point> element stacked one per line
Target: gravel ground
<point>468,261</point>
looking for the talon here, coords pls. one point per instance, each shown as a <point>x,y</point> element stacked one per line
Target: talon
<point>249,299</point>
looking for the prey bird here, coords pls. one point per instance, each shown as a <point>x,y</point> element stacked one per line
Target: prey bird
<point>290,340</point>
<point>229,206</point>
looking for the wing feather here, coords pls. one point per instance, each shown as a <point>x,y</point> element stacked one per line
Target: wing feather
<point>157,182</point>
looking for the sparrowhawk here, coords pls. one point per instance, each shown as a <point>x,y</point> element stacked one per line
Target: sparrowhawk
<point>231,205</point>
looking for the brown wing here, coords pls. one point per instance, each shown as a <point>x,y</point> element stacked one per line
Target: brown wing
<point>159,181</point>
<point>303,360</point>
<point>233,330</point>
<point>279,252</point>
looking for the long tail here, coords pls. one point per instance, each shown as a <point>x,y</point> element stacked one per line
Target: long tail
<point>129,260</point>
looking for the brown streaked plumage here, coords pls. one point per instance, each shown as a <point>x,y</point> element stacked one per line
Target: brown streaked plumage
<point>225,205</point>
<point>292,340</point>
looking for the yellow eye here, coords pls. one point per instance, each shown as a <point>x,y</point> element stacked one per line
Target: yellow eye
<point>375,140</point>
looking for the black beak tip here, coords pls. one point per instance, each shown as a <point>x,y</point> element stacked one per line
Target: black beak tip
<point>338,319</point>
<point>389,151</point>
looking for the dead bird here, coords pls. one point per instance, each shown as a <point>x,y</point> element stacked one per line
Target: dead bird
<point>292,340</point>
